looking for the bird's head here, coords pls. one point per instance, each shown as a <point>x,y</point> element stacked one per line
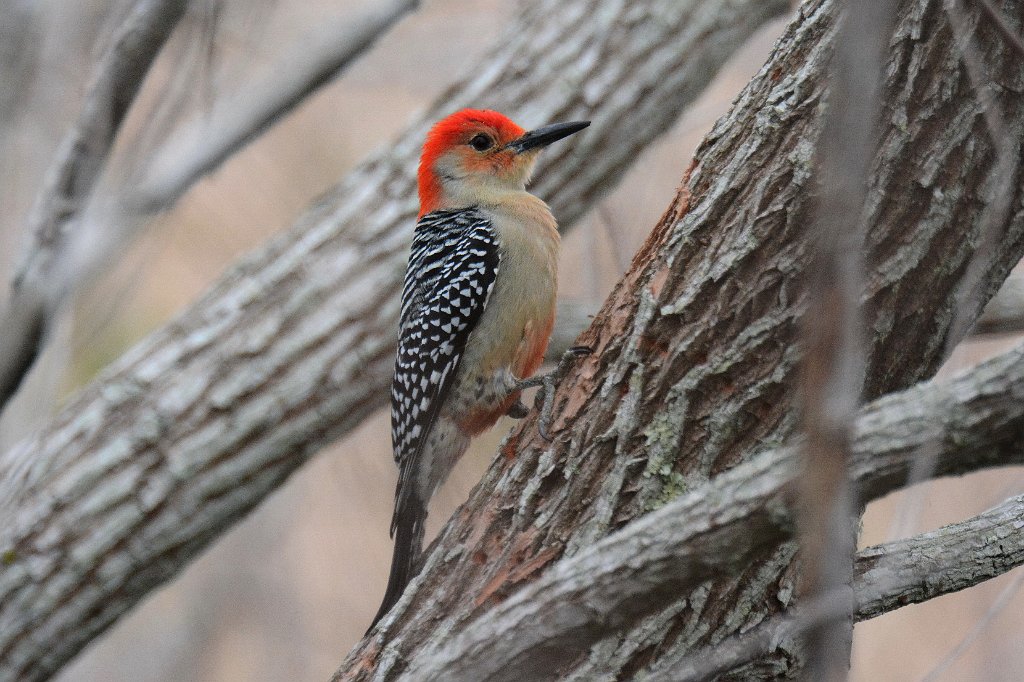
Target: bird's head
<point>473,155</point>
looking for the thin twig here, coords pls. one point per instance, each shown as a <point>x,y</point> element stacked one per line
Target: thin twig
<point>999,604</point>
<point>203,145</point>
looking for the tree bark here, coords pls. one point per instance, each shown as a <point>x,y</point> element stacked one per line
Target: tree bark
<point>973,421</point>
<point>293,347</point>
<point>695,350</point>
<point>887,577</point>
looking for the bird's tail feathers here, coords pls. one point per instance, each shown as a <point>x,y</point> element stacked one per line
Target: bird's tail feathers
<point>407,528</point>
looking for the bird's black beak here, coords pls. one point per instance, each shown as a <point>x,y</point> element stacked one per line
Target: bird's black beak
<point>542,137</point>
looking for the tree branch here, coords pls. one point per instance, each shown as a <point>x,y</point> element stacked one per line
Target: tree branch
<point>950,559</point>
<point>721,526</point>
<point>201,146</point>
<point>294,347</point>
<point>887,577</point>
<point>40,278</point>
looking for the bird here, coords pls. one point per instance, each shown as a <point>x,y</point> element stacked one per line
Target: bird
<point>478,307</point>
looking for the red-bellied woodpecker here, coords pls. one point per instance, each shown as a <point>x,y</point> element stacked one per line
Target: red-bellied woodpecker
<point>478,306</point>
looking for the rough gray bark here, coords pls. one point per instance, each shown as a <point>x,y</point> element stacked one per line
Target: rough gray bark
<point>293,347</point>
<point>694,365</point>
<point>975,420</point>
<point>887,577</point>
<point>949,559</point>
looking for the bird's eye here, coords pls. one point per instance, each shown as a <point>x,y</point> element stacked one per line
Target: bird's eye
<point>481,142</point>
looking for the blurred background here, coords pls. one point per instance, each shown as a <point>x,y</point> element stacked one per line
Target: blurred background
<point>285,594</point>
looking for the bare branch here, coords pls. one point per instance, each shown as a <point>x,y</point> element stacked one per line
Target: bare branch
<point>40,281</point>
<point>888,577</point>
<point>833,365</point>
<point>719,527</point>
<point>204,144</point>
<point>950,559</point>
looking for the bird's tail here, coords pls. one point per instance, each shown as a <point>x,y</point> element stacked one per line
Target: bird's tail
<point>407,528</point>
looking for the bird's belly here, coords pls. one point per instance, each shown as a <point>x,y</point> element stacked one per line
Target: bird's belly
<point>509,341</point>
<point>503,349</point>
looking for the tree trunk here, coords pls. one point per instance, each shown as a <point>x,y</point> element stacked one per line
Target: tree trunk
<point>695,350</point>
<point>718,527</point>
<point>294,346</point>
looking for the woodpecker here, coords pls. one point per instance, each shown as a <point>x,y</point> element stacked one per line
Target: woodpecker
<point>478,306</point>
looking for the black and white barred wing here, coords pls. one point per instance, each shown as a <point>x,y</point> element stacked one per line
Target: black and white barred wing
<point>452,268</point>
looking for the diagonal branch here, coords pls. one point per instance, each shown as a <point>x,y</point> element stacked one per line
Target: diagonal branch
<point>886,577</point>
<point>950,559</point>
<point>202,145</point>
<point>721,526</point>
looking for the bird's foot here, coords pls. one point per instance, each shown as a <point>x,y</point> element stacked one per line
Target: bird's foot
<point>545,398</point>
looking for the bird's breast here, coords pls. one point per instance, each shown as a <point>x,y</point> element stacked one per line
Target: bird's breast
<point>512,336</point>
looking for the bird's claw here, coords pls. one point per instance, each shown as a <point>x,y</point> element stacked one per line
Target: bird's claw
<point>545,398</point>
